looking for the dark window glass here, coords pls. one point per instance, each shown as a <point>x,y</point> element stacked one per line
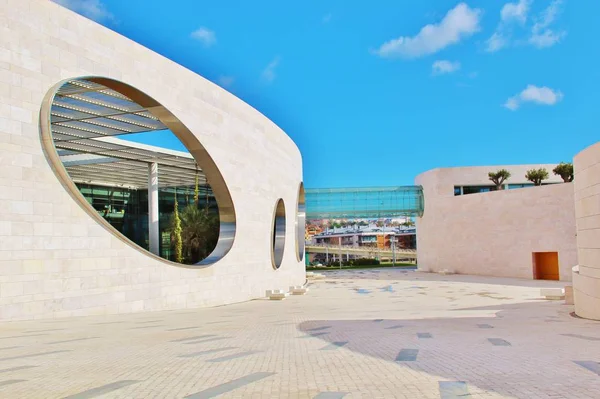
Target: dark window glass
<point>477,189</point>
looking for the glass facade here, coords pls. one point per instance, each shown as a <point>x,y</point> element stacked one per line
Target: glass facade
<point>364,202</point>
<point>127,210</point>
<point>513,186</point>
<point>463,190</point>
<point>473,189</point>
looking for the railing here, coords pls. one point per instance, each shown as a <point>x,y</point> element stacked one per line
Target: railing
<point>347,249</point>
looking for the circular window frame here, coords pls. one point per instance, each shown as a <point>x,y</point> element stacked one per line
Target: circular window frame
<point>278,233</point>
<point>227,214</point>
<point>300,223</point>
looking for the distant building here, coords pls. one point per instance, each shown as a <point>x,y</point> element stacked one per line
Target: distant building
<point>368,236</point>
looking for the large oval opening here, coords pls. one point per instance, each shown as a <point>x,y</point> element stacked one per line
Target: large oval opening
<point>137,170</point>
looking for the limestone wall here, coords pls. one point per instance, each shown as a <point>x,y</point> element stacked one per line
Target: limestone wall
<point>55,260</point>
<point>494,233</point>
<point>586,281</point>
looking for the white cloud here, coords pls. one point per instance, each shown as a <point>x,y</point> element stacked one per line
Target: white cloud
<point>225,81</point>
<point>457,24</point>
<point>441,67</point>
<point>205,35</point>
<point>93,9</point>
<point>268,74</point>
<point>515,11</point>
<point>327,18</point>
<point>538,95</point>
<point>541,34</point>
<point>512,103</point>
<point>510,13</point>
<point>496,42</point>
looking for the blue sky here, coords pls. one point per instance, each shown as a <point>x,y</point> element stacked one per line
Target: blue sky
<point>376,93</point>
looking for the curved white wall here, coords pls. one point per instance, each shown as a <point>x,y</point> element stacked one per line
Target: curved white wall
<point>54,259</point>
<point>586,282</point>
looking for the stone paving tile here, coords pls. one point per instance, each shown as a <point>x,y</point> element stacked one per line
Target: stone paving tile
<point>229,386</point>
<point>71,340</point>
<point>499,342</point>
<point>330,395</point>
<point>203,341</point>
<point>233,356</point>
<point>334,345</point>
<point>407,355</point>
<point>582,337</point>
<point>551,360</point>
<point>103,390</point>
<point>594,367</point>
<point>8,382</point>
<point>454,390</point>
<point>15,368</point>
<point>209,351</point>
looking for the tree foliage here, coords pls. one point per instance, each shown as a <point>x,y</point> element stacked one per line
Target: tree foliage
<point>499,177</point>
<point>176,231</point>
<point>408,223</point>
<point>194,231</point>
<point>565,171</point>
<point>196,190</point>
<point>199,233</point>
<point>536,176</point>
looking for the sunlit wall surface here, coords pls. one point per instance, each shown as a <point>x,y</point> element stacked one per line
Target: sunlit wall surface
<point>61,257</point>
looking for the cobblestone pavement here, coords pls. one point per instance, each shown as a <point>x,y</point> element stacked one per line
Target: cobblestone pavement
<point>356,334</point>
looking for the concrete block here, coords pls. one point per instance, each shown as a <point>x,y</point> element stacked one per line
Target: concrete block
<point>569,300</point>
<point>277,295</point>
<point>298,290</point>
<point>552,293</point>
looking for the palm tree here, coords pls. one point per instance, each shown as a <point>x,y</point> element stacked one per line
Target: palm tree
<point>200,233</point>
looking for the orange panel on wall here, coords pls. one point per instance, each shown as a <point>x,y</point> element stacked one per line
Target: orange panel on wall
<point>545,266</point>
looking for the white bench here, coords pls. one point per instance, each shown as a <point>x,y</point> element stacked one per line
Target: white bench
<point>277,295</point>
<point>553,293</point>
<point>298,290</point>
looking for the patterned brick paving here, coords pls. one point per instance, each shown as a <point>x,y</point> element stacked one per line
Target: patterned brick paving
<point>375,345</point>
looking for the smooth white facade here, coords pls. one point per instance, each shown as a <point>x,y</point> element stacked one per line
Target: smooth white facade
<point>55,260</point>
<point>586,278</point>
<point>494,233</point>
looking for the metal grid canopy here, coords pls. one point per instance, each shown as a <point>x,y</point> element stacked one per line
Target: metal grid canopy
<point>366,202</point>
<point>86,117</point>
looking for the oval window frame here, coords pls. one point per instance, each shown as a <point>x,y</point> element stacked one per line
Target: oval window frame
<point>278,233</point>
<point>227,214</point>
<point>300,223</point>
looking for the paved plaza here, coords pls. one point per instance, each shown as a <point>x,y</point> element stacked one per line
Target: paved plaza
<point>356,334</point>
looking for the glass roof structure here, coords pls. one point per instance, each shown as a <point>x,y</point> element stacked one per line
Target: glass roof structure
<point>86,120</point>
<point>365,202</point>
